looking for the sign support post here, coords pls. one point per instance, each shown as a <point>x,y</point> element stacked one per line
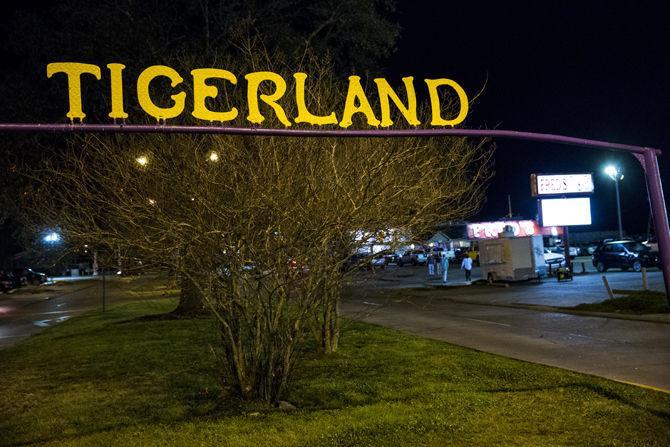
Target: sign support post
<point>657,202</point>
<point>566,248</point>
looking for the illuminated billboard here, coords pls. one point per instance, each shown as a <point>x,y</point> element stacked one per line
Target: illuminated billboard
<point>490,230</point>
<point>565,212</point>
<point>557,184</point>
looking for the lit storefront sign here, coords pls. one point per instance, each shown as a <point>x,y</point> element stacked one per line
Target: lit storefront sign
<point>558,184</point>
<point>520,228</point>
<point>566,212</point>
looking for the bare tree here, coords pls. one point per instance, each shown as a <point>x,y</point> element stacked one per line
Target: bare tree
<point>260,229</point>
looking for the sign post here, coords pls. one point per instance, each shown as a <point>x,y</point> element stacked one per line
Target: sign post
<point>653,177</point>
<point>566,248</point>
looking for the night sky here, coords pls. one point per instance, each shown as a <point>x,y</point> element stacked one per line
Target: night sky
<point>597,72</point>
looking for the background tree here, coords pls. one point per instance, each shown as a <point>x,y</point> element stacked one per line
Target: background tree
<point>259,229</point>
<point>262,228</point>
<point>183,34</point>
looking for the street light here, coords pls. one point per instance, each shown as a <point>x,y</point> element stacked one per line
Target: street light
<point>142,160</point>
<point>213,156</point>
<point>51,237</point>
<point>615,174</point>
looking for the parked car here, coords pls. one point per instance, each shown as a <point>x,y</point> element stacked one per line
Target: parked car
<point>553,260</point>
<point>590,249</point>
<point>6,282</point>
<point>378,261</point>
<point>624,254</point>
<point>440,251</point>
<point>652,243</point>
<point>574,251</point>
<point>405,258</point>
<point>298,265</point>
<point>392,258</point>
<point>414,257</point>
<point>18,279</point>
<point>366,261</point>
<point>31,276</point>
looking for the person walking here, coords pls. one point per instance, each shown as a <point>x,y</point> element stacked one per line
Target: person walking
<point>430,261</point>
<point>466,265</point>
<point>445,268</point>
<point>438,264</point>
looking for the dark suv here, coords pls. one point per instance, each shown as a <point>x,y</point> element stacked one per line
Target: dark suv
<point>624,255</point>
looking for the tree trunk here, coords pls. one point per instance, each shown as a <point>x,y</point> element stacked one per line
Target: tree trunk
<point>330,325</point>
<point>190,299</point>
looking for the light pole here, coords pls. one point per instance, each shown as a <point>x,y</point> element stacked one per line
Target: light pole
<point>615,174</point>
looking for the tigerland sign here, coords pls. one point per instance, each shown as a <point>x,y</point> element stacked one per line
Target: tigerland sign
<point>356,99</point>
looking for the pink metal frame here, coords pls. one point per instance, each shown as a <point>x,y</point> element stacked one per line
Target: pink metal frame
<point>647,156</point>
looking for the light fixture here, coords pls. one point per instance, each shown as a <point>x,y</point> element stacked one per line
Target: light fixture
<point>52,237</point>
<point>142,160</point>
<point>613,172</point>
<point>213,156</point>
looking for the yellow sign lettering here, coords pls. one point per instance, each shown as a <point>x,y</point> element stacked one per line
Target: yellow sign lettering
<point>202,91</point>
<point>254,80</point>
<point>304,115</point>
<point>74,70</point>
<point>437,120</point>
<point>258,85</point>
<point>386,92</point>
<point>116,86</point>
<point>144,97</point>
<point>355,94</point>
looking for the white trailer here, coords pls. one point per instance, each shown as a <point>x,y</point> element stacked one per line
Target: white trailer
<point>512,258</point>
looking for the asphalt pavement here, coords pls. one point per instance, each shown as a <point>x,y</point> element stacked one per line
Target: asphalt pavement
<point>33,308</point>
<point>509,320</point>
<point>629,351</point>
<point>584,288</point>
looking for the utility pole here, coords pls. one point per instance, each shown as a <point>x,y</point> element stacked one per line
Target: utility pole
<point>618,206</point>
<point>615,174</point>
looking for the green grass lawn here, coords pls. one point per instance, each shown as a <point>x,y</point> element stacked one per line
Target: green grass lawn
<point>114,380</point>
<point>632,302</point>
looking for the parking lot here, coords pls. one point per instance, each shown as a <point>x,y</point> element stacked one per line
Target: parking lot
<point>522,320</point>
<point>585,287</point>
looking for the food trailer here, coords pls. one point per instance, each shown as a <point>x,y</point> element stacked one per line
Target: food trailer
<point>510,258</point>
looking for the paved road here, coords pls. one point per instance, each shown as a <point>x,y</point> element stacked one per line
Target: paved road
<point>31,309</point>
<point>630,351</point>
<point>480,317</point>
